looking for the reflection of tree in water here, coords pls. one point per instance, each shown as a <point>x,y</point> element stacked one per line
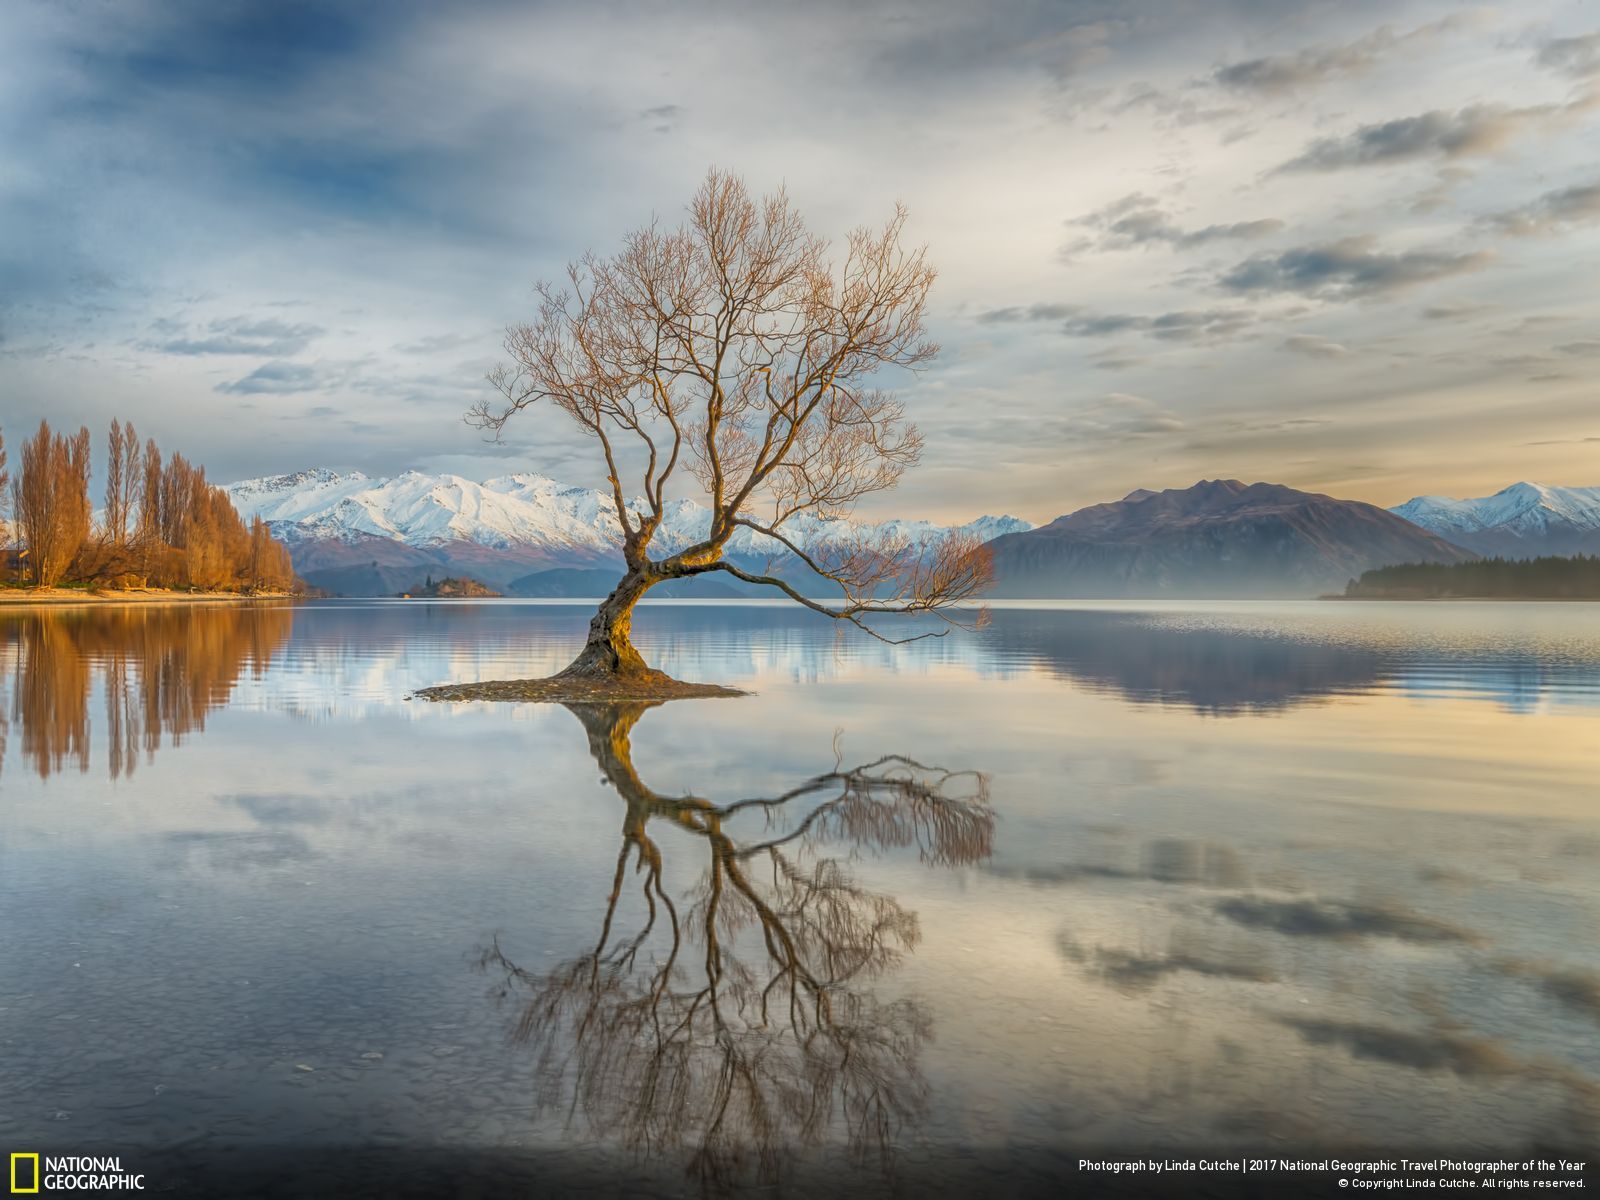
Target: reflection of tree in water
<point>163,668</point>
<point>734,1024</point>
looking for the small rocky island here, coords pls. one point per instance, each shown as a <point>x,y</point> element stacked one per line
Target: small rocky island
<point>449,589</point>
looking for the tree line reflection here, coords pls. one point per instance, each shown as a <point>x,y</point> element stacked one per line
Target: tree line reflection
<point>733,1025</point>
<point>154,672</point>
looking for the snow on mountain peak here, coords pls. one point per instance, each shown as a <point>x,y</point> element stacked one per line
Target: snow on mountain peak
<point>524,509</point>
<point>1522,510</point>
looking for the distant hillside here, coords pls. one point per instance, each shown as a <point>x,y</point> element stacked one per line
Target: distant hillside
<point>1219,538</point>
<point>1525,520</point>
<point>575,583</point>
<point>1550,578</point>
<point>451,589</point>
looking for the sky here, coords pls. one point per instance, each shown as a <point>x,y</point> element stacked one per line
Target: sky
<point>1348,247</point>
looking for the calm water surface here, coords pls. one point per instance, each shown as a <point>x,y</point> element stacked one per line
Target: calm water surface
<point>1257,876</point>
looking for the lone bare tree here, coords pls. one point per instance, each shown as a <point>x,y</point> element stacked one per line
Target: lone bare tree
<point>733,350</point>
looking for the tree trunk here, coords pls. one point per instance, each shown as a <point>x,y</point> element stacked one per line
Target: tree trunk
<point>609,651</point>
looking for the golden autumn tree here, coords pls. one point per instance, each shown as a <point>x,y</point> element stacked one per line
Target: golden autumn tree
<point>5,504</point>
<point>123,480</point>
<point>51,498</point>
<point>736,352</point>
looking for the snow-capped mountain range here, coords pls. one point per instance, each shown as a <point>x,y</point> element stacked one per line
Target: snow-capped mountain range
<point>1521,521</point>
<point>356,534</point>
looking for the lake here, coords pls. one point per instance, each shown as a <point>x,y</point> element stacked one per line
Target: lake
<point>1097,880</point>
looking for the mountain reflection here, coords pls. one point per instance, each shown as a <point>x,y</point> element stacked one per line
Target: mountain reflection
<point>160,670</point>
<point>1210,670</point>
<point>734,1025</point>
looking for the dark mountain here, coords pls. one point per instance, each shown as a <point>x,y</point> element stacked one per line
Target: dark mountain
<point>1219,538</point>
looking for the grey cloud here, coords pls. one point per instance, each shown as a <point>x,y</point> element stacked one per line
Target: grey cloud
<point>1280,74</point>
<point>279,378</point>
<point>1312,346</point>
<point>440,342</point>
<point>1119,417</point>
<point>1454,310</point>
<point>1138,220</point>
<point>281,808</point>
<point>1347,269</point>
<point>1116,361</point>
<point>1437,194</point>
<point>1178,109</point>
<point>1429,1051</point>
<point>1183,325</point>
<point>1337,919</point>
<point>229,851</point>
<point>1033,312</point>
<point>1135,972</point>
<point>1472,132</point>
<point>1578,57</point>
<point>662,118</point>
<point>269,337</point>
<point>1553,212</point>
<point>1238,229</point>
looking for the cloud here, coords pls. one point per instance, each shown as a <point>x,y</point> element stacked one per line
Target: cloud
<point>663,118</point>
<point>1337,919</point>
<point>1455,310</point>
<point>436,343</point>
<point>1119,417</point>
<point>1312,346</point>
<point>277,378</point>
<point>1280,74</point>
<point>282,808</point>
<point>1578,57</point>
<point>1473,132</point>
<point>1347,269</point>
<point>238,851</point>
<point>1437,194</point>
<point>1182,325</point>
<point>1553,212</point>
<point>1135,972</point>
<point>238,335</point>
<point>1138,220</point>
<point>1430,1051</point>
<point>1577,989</point>
<point>1032,312</point>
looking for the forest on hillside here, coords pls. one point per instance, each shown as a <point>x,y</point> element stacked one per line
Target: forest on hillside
<point>162,525</point>
<point>1548,578</point>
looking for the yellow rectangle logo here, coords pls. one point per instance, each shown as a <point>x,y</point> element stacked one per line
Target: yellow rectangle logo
<point>16,1189</point>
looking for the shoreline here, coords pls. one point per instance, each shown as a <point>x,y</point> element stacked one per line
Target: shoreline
<point>24,597</point>
<point>1472,599</point>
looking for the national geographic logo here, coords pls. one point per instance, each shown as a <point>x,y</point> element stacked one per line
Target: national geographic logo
<point>31,1174</point>
<point>24,1174</point>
